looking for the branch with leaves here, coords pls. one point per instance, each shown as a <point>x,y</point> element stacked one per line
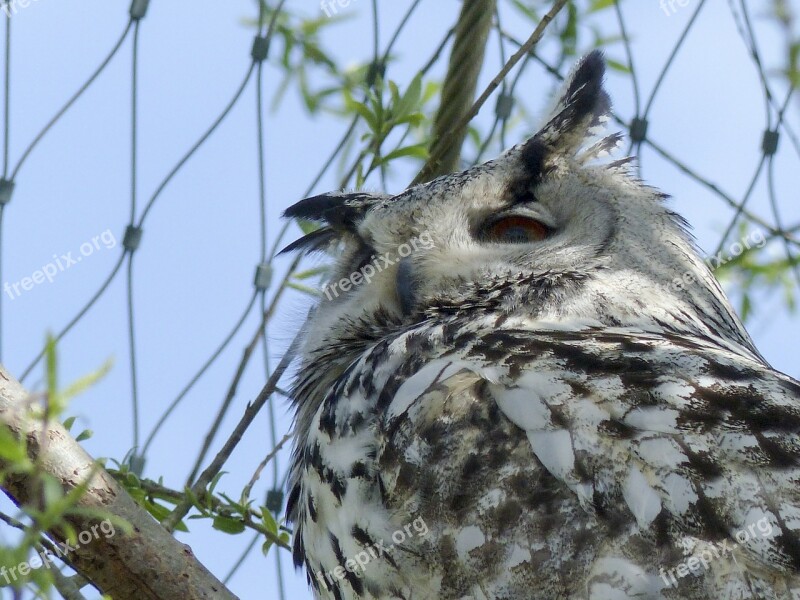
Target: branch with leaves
<point>65,493</point>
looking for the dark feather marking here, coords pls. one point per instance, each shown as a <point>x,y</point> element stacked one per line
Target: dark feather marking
<point>327,420</point>
<point>617,429</point>
<point>352,579</point>
<point>355,422</point>
<point>362,537</point>
<point>713,526</point>
<point>387,393</point>
<point>337,593</point>
<point>312,580</point>
<point>359,470</point>
<point>661,527</point>
<point>779,456</point>
<point>337,484</point>
<point>533,156</point>
<point>720,370</point>
<point>312,508</point>
<point>298,550</point>
<point>314,458</point>
<point>615,520</point>
<point>471,468</point>
<point>703,418</point>
<point>382,490</point>
<point>291,502</point>
<point>433,432</point>
<point>508,513</point>
<point>705,466</point>
<point>768,417</point>
<point>406,478</point>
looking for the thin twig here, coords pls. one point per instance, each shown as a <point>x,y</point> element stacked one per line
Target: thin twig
<point>273,453</point>
<point>222,456</point>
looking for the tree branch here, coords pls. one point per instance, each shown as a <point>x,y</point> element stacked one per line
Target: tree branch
<point>146,564</point>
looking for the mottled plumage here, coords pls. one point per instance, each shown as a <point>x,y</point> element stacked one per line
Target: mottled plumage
<point>538,398</point>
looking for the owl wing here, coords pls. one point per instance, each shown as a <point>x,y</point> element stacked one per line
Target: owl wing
<point>596,463</point>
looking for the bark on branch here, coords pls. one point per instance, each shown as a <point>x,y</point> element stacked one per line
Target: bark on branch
<point>147,564</point>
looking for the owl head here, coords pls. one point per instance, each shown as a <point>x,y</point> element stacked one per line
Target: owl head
<point>549,234</point>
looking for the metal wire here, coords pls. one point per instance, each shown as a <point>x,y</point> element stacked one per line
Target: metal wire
<point>267,299</point>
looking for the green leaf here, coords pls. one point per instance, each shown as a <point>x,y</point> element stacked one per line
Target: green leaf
<point>747,307</point>
<point>360,179</point>
<point>410,100</point>
<point>228,525</point>
<point>598,5</point>
<point>13,450</point>
<point>414,119</point>
<point>311,273</point>
<point>160,513</point>
<point>617,66</point>
<point>84,435</point>
<point>52,491</point>
<point>362,110</point>
<point>527,11</point>
<point>395,93</point>
<point>269,521</point>
<point>213,485</point>
<point>266,546</point>
<point>86,381</point>
<point>417,151</point>
<point>303,288</point>
<point>51,370</point>
<point>306,226</point>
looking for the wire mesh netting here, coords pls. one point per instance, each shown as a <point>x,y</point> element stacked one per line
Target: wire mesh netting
<point>186,129</point>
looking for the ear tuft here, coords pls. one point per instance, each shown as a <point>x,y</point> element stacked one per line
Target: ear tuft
<point>338,211</point>
<point>316,241</point>
<point>582,109</point>
<point>334,207</point>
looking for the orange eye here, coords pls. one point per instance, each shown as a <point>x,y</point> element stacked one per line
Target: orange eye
<point>517,230</point>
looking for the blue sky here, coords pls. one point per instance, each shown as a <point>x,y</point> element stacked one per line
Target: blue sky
<point>193,272</point>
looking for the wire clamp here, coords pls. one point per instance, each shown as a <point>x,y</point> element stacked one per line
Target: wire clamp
<point>377,68</point>
<point>638,129</point>
<point>263,276</point>
<point>6,190</point>
<point>769,143</point>
<point>505,103</point>
<point>274,501</point>
<point>260,48</point>
<point>136,464</point>
<point>133,236</point>
<point>139,9</point>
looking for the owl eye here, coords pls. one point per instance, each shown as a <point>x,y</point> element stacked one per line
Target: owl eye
<point>516,229</point>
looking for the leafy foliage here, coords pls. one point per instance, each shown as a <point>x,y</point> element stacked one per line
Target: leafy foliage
<point>27,561</point>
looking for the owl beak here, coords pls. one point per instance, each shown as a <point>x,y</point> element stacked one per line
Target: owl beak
<point>406,286</point>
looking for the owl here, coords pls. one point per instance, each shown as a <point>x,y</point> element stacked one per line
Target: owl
<point>522,381</point>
